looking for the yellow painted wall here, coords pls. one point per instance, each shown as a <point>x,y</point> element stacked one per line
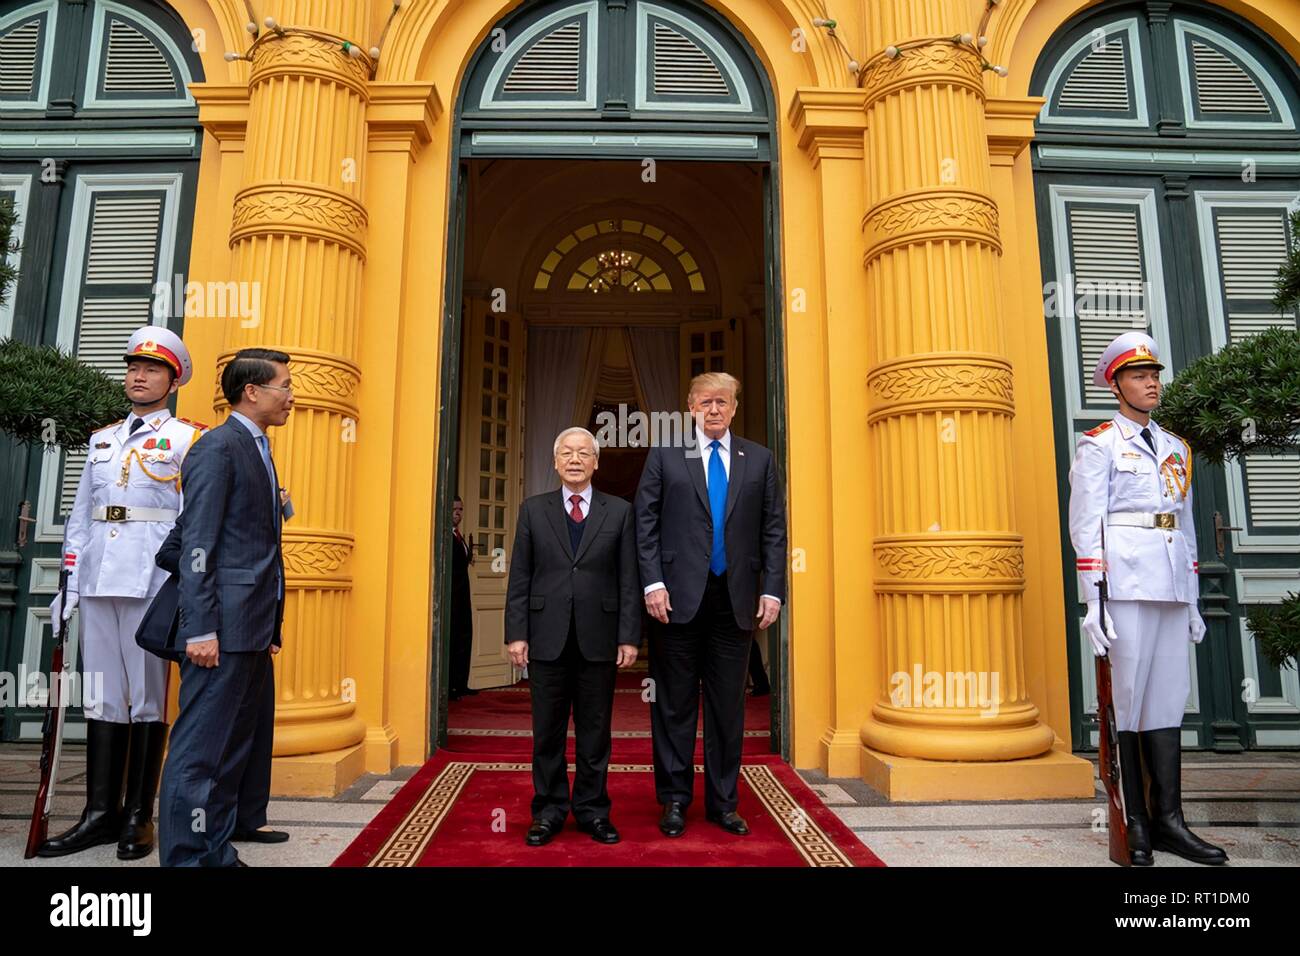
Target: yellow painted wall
<point>823,139</point>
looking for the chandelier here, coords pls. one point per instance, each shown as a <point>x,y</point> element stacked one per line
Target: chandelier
<point>615,272</point>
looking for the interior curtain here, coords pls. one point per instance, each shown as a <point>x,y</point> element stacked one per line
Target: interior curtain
<point>554,355</point>
<point>656,364</point>
<point>588,378</point>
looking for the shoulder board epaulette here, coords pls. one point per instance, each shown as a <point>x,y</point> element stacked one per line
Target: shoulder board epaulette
<point>1094,432</point>
<point>198,425</point>
<point>110,425</point>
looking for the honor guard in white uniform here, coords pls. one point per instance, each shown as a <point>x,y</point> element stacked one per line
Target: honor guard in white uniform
<point>1137,478</point>
<point>127,501</point>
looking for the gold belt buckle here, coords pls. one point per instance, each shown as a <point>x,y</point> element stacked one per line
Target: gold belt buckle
<point>115,513</point>
<point>1165,521</point>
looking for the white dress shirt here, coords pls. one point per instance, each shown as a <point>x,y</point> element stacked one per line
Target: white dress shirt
<point>584,504</point>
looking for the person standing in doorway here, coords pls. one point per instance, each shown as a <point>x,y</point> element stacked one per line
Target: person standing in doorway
<point>573,617</point>
<point>462,607</point>
<point>711,539</point>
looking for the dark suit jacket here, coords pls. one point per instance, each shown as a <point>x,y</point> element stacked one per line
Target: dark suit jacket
<point>675,529</point>
<point>462,603</point>
<point>231,520</point>
<point>596,586</point>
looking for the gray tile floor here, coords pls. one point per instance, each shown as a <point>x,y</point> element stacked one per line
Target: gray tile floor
<point>1248,803</point>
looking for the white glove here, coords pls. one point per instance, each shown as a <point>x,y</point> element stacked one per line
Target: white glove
<point>1101,640</point>
<point>1195,626</point>
<point>67,609</point>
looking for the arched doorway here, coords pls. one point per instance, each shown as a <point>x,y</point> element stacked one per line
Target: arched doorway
<point>614,232</point>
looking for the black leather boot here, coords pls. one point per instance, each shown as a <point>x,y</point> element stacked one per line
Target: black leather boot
<point>1163,752</point>
<point>106,745</point>
<point>1135,801</point>
<point>143,769</point>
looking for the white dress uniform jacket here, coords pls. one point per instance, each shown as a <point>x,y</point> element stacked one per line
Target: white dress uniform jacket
<point>116,558</point>
<point>1114,471</point>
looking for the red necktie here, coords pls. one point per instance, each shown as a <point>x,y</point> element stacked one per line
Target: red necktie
<point>576,513</point>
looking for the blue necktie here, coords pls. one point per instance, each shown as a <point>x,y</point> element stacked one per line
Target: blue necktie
<point>718,506</point>
<point>263,445</point>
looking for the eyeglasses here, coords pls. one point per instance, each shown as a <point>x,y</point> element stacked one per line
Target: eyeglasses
<point>283,388</point>
<point>566,455</point>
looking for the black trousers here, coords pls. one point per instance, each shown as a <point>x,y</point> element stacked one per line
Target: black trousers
<point>757,673</point>
<point>587,688</point>
<point>462,644</point>
<point>711,650</point>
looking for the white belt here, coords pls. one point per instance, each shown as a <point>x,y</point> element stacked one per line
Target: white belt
<point>125,513</point>
<point>1143,519</point>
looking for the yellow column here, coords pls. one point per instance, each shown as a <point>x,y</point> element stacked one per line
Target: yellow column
<point>299,234</point>
<point>830,124</point>
<point>948,561</point>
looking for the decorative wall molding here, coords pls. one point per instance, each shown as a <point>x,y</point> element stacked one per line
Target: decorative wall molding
<point>929,562</point>
<point>829,123</point>
<point>938,63</point>
<point>299,209</point>
<point>948,381</point>
<point>297,55</point>
<point>930,215</point>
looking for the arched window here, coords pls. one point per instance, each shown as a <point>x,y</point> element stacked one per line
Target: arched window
<point>1167,164</point>
<point>619,255</point>
<point>550,74</point>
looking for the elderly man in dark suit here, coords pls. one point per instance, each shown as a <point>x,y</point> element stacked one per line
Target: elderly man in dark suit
<point>573,617</point>
<point>711,540</point>
<point>230,612</point>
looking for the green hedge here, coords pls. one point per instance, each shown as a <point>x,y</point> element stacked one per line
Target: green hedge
<point>1242,398</point>
<point>1277,631</point>
<point>49,397</point>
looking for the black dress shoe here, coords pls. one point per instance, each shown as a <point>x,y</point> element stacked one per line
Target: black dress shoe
<point>542,832</point>
<point>259,836</point>
<point>602,831</point>
<point>731,821</point>
<point>673,822</point>
<point>469,693</point>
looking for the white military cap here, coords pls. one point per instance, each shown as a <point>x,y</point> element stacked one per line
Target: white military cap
<point>1129,349</point>
<point>164,345</point>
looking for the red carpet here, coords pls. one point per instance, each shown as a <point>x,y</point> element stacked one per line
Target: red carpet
<point>469,805</point>
<point>499,722</point>
<point>465,810</point>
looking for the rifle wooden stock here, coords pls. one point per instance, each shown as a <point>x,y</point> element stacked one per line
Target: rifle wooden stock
<point>52,731</point>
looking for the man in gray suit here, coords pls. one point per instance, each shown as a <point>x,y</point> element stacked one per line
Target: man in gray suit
<point>573,617</point>
<point>230,613</point>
